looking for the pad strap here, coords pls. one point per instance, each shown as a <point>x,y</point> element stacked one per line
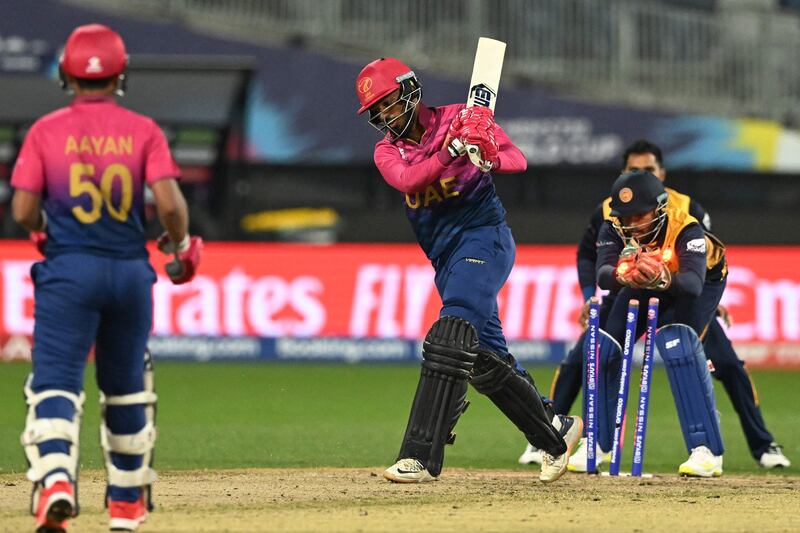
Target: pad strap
<point>131,478</point>
<point>136,398</point>
<point>131,444</point>
<point>44,429</point>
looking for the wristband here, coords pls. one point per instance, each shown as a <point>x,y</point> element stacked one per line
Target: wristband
<point>183,245</point>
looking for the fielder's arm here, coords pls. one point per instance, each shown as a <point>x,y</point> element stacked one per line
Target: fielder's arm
<point>691,250</point>
<point>609,247</point>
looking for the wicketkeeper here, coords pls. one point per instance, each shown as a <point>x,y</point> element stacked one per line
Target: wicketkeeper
<point>727,367</point>
<point>650,248</point>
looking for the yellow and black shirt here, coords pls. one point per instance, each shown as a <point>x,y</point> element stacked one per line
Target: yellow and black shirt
<point>693,255</point>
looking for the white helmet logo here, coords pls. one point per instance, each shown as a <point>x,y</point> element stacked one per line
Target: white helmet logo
<point>94,65</point>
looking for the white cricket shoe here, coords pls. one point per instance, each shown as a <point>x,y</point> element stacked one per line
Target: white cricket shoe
<point>571,429</point>
<point>408,470</point>
<point>577,461</point>
<point>531,455</point>
<point>702,463</point>
<point>774,458</point>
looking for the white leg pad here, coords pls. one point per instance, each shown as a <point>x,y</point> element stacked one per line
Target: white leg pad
<point>140,443</point>
<point>39,430</point>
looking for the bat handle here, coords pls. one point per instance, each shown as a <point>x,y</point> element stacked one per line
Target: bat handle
<point>474,154</point>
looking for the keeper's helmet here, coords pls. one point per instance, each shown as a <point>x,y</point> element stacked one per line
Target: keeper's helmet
<point>378,80</point>
<point>637,193</point>
<point>92,52</point>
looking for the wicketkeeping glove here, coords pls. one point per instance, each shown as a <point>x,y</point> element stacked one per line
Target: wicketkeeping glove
<point>626,265</point>
<point>625,268</point>
<point>183,268</point>
<point>651,272</point>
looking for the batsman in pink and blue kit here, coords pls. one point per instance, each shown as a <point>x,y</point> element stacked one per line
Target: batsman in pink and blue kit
<point>460,224</point>
<point>79,187</point>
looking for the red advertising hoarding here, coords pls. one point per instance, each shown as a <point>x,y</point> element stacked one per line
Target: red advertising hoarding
<point>382,291</point>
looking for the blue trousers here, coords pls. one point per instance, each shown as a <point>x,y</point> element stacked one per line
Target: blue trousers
<point>470,277</point>
<point>83,300</point>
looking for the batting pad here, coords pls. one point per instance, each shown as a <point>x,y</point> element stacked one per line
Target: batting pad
<point>690,381</point>
<point>448,354</point>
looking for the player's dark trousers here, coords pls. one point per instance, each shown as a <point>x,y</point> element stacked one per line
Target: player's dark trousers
<point>83,300</point>
<point>469,277</point>
<point>730,371</point>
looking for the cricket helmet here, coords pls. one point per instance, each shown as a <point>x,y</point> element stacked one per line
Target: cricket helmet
<point>381,78</point>
<point>94,51</point>
<point>637,193</point>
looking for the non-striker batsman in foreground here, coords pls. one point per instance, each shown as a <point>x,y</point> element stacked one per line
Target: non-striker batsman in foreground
<point>460,224</point>
<point>79,182</point>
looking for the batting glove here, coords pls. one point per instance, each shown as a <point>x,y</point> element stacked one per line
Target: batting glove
<point>39,240</point>
<point>187,253</point>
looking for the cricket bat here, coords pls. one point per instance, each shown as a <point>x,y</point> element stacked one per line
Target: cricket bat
<point>484,85</point>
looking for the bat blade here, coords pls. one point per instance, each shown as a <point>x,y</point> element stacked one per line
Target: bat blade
<point>486,70</point>
<point>484,85</point>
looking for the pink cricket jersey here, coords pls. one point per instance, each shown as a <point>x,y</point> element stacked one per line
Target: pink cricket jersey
<point>444,197</point>
<point>89,162</point>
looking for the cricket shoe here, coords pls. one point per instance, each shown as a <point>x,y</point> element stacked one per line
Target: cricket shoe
<point>578,459</point>
<point>571,429</point>
<point>126,516</point>
<point>531,455</point>
<point>56,504</point>
<point>774,458</point>
<point>702,463</point>
<point>408,470</point>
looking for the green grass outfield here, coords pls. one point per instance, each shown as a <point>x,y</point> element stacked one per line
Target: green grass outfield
<point>231,415</point>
